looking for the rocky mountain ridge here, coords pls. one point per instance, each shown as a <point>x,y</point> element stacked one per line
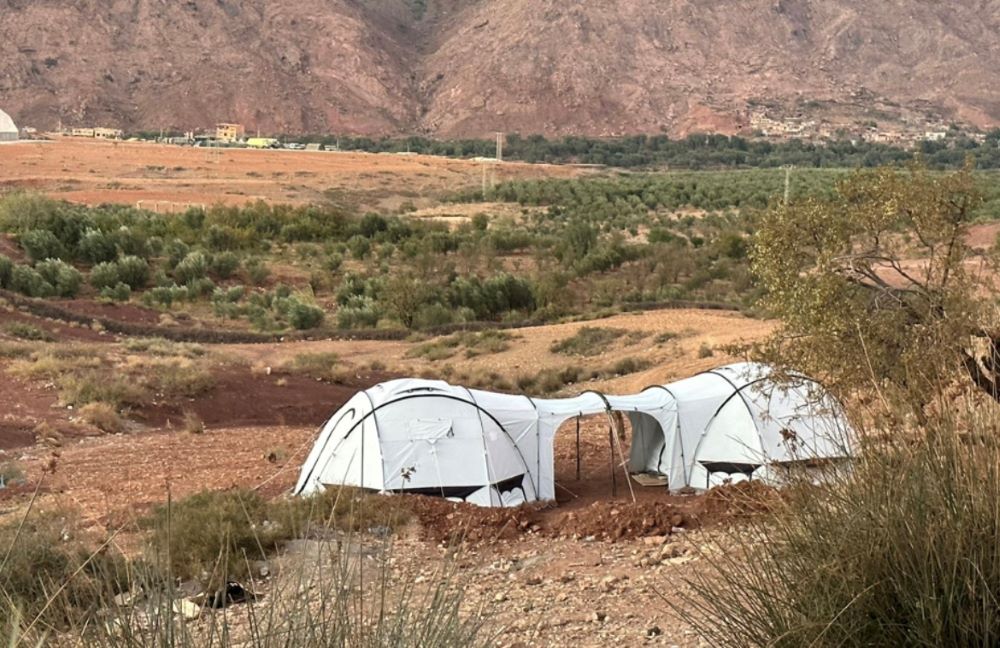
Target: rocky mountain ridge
<point>470,67</point>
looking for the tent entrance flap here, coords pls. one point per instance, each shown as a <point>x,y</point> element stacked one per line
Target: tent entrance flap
<point>649,445</point>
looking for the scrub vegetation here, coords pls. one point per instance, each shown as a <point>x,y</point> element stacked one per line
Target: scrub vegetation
<point>898,551</point>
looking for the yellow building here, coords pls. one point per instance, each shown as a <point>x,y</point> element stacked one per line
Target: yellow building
<point>82,132</point>
<point>229,132</point>
<point>108,133</point>
<point>262,142</point>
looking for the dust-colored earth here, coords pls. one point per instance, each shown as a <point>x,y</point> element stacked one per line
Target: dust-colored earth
<point>169,179</point>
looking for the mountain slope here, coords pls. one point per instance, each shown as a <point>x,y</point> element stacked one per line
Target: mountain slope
<point>469,67</point>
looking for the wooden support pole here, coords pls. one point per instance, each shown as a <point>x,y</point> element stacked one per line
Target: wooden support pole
<point>614,480</point>
<point>577,448</point>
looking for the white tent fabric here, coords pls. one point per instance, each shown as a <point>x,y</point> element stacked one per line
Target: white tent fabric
<point>493,449</point>
<point>8,131</point>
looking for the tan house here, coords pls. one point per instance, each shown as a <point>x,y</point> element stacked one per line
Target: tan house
<point>230,132</point>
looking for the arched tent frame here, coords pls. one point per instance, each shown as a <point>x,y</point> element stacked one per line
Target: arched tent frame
<point>321,458</point>
<point>422,436</point>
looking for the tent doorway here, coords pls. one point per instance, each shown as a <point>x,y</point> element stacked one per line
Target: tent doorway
<point>610,454</point>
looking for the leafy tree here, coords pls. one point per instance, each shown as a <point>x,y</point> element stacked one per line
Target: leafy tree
<point>192,267</point>
<point>41,245</point>
<point>97,247</point>
<point>64,278</point>
<point>878,282</point>
<point>304,316</point>
<point>104,275</point>
<point>133,271</point>
<point>27,281</point>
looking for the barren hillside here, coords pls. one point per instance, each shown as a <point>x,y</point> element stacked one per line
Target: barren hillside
<point>468,67</point>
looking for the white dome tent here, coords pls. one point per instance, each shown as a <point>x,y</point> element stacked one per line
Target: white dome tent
<point>8,131</point>
<point>429,437</point>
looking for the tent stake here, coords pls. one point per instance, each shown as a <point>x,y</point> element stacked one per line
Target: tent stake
<point>577,448</point>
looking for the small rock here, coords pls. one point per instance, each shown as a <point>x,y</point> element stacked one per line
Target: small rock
<point>654,540</point>
<point>599,617</point>
<point>534,580</point>
<point>126,599</point>
<point>187,609</point>
<point>500,598</point>
<point>653,631</point>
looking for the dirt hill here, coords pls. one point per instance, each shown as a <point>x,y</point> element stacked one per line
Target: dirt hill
<point>469,67</point>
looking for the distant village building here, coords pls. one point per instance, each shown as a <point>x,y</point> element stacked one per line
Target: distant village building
<point>262,142</point>
<point>230,132</point>
<point>935,136</point>
<point>8,130</point>
<point>109,133</point>
<point>98,132</point>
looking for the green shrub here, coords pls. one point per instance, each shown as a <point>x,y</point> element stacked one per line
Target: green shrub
<point>118,391</point>
<point>25,331</point>
<point>27,281</point>
<point>359,247</point>
<point>316,365</point>
<point>41,245</point>
<point>224,265</point>
<point>361,316</point>
<point>200,287</point>
<point>213,533</point>
<point>133,271</point>
<point>304,316</point>
<point>177,379</point>
<point>192,267</point>
<point>333,262</point>
<point>6,268</point>
<point>588,341</point>
<point>104,275</point>
<point>120,293</point>
<point>166,295</point>
<point>97,247</point>
<point>629,365</point>
<point>63,277</point>
<point>131,242</point>
<point>50,571</point>
<point>176,250</point>
<point>257,272</point>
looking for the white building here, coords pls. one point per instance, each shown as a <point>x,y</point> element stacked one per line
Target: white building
<point>8,131</point>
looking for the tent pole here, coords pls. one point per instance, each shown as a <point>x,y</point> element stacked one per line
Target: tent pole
<point>621,454</point>
<point>577,448</point>
<point>611,443</point>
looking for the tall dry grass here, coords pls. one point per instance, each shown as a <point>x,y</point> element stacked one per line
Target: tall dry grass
<point>900,551</point>
<point>335,584</point>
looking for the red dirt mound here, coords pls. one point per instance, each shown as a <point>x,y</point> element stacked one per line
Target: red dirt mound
<point>602,520</point>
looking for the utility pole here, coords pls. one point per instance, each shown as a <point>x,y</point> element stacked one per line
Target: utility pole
<point>499,147</point>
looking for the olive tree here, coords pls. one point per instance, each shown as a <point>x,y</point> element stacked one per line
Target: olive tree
<point>878,283</point>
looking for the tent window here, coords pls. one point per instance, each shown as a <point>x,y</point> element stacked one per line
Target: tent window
<point>430,429</point>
